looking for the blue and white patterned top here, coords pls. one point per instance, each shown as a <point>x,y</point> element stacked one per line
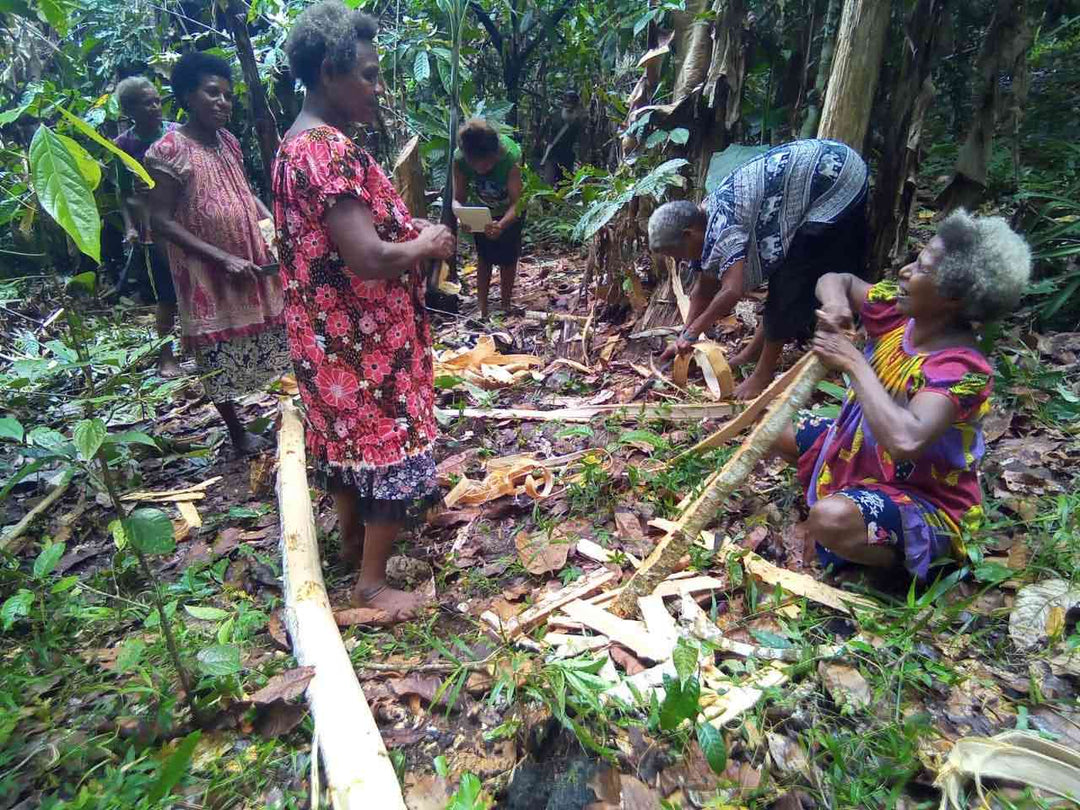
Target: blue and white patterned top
<point>758,208</point>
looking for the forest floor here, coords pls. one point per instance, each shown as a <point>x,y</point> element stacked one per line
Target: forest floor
<point>92,714</point>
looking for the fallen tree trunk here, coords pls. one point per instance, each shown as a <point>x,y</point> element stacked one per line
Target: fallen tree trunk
<point>13,541</point>
<point>359,772</point>
<point>670,550</point>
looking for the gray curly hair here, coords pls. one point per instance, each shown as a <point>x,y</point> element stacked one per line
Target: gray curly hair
<point>128,88</point>
<point>985,263</point>
<point>327,30</point>
<point>669,221</point>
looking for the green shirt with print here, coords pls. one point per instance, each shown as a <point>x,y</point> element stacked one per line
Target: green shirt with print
<point>492,188</point>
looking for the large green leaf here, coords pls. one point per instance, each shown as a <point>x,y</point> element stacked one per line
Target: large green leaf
<point>680,702</point>
<point>685,658</point>
<point>11,428</point>
<point>150,531</point>
<point>88,167</point>
<point>17,605</point>
<point>55,13</point>
<point>724,163</point>
<point>47,560</point>
<point>63,191</point>
<point>421,68</point>
<point>28,98</point>
<point>174,768</point>
<point>89,434</point>
<point>712,746</point>
<point>93,135</point>
<point>221,659</point>
<point>206,613</point>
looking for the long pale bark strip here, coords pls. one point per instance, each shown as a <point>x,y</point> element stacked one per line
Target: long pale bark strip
<point>13,541</point>
<point>745,419</point>
<point>359,772</point>
<point>665,557</point>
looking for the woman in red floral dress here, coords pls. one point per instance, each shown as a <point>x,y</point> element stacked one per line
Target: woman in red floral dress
<point>358,330</point>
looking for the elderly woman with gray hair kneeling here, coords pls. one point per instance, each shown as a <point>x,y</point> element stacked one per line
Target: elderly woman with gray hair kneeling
<point>894,478</point>
<point>784,219</point>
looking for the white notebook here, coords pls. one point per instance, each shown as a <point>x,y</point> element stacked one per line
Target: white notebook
<point>473,218</point>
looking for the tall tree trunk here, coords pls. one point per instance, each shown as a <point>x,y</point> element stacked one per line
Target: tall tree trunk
<point>1004,48</point>
<point>825,58</point>
<point>265,126</point>
<point>911,94</point>
<point>860,44</point>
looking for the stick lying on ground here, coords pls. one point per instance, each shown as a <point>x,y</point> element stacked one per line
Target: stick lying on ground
<point>13,541</point>
<point>359,772</point>
<point>627,412</point>
<point>665,557</point>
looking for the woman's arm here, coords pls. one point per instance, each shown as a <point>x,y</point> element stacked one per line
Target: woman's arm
<point>729,294</point>
<point>369,257</point>
<point>905,432</point>
<point>709,302</point>
<point>841,296</point>
<point>162,201</point>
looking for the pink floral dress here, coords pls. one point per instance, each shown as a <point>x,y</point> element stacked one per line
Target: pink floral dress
<point>361,348</point>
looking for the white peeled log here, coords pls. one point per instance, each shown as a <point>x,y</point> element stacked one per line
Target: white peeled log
<point>359,773</point>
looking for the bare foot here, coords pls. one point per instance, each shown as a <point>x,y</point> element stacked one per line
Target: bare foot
<point>400,605</point>
<point>751,387</point>
<point>168,367</point>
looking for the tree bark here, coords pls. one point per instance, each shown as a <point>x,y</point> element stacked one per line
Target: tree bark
<point>860,44</point>
<point>825,58</point>
<point>409,179</point>
<point>265,126</point>
<point>1004,48</point>
<point>911,94</point>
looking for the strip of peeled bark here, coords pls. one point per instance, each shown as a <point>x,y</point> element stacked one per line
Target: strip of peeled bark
<point>409,178</point>
<point>665,557</point>
<point>359,772</point>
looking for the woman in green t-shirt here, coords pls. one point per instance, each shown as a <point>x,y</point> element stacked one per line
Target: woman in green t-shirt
<point>488,169</point>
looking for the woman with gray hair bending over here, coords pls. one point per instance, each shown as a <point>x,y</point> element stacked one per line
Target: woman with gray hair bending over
<point>894,478</point>
<point>786,217</point>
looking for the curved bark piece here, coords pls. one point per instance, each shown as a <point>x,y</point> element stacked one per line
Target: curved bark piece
<point>665,557</point>
<point>359,772</point>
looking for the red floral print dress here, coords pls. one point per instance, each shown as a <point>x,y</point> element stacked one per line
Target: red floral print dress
<point>361,348</point>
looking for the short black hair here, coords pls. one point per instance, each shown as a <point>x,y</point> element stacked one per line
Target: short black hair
<point>327,30</point>
<point>478,139</point>
<point>189,70</point>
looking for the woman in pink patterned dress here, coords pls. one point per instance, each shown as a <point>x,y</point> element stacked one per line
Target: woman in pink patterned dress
<point>230,315</point>
<point>358,329</point>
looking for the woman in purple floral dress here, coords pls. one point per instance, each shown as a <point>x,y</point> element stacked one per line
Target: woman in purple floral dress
<point>358,330</point>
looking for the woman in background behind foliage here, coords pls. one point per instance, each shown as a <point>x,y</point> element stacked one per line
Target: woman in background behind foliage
<point>139,100</point>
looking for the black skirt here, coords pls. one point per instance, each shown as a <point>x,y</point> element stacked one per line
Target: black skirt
<point>504,250</point>
<point>818,248</point>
